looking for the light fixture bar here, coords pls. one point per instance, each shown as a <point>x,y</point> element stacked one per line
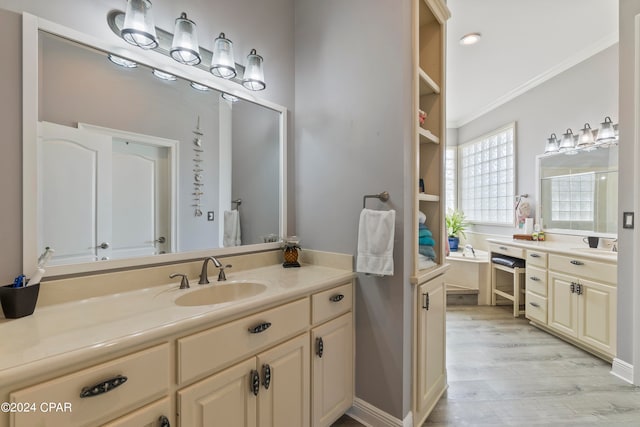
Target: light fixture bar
<point>115,20</point>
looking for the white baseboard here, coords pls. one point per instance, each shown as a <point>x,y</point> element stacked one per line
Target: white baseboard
<point>622,370</point>
<point>371,416</point>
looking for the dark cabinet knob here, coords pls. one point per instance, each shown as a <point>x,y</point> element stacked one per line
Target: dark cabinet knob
<point>164,421</point>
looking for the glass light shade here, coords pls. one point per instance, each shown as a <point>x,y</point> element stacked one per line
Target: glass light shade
<point>223,63</point>
<point>138,28</point>
<point>198,86</point>
<point>585,138</point>
<point>184,47</point>
<point>253,73</point>
<point>606,133</point>
<point>229,97</point>
<point>164,76</point>
<point>552,144</point>
<point>567,142</point>
<point>122,62</point>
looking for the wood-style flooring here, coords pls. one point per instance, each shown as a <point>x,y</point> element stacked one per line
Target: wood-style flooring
<point>504,372</point>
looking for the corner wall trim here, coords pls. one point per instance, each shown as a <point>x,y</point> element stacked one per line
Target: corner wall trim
<point>622,370</point>
<point>370,416</point>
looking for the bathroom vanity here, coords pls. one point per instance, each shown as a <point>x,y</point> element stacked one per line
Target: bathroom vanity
<point>152,356</point>
<point>570,291</point>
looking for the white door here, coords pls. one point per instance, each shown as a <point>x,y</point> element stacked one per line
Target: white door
<point>139,199</point>
<point>74,186</point>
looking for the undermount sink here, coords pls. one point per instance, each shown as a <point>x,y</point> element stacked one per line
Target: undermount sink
<point>599,251</point>
<point>219,292</point>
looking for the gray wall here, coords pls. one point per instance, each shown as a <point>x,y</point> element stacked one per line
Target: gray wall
<point>353,96</point>
<point>266,26</point>
<point>629,188</point>
<point>584,93</point>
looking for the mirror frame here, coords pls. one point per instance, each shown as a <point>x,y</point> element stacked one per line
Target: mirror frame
<point>31,26</point>
<point>564,231</point>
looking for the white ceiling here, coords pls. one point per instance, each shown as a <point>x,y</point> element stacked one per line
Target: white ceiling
<point>524,43</point>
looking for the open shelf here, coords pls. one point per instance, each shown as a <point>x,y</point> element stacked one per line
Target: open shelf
<point>427,84</point>
<point>424,197</point>
<point>427,136</point>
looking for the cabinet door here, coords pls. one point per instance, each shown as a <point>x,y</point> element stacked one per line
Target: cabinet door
<point>284,399</point>
<point>562,305</point>
<point>332,370</point>
<point>221,400</point>
<point>597,322</point>
<point>431,370</point>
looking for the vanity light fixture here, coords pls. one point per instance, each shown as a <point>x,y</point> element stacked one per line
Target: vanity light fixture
<point>184,47</point>
<point>253,73</point>
<point>585,138</point>
<point>567,141</point>
<point>469,39</point>
<point>122,62</point>
<point>229,97</point>
<point>552,144</point>
<point>198,86</point>
<point>607,133</point>
<point>223,63</point>
<point>138,28</point>
<point>164,76</point>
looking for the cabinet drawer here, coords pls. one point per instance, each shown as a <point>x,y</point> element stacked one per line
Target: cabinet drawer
<point>208,351</point>
<point>536,258</point>
<point>536,280</point>
<point>148,416</point>
<point>147,375</point>
<point>583,267</point>
<point>536,307</point>
<point>330,303</point>
<point>507,250</point>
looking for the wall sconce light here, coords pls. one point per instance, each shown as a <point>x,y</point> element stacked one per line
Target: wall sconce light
<point>607,133</point>
<point>223,63</point>
<point>138,28</point>
<point>184,47</point>
<point>585,138</point>
<point>552,144</point>
<point>567,142</point>
<point>254,74</point>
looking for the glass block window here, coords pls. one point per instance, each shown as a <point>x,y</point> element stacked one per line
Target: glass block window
<point>450,179</point>
<point>572,197</point>
<point>487,183</point>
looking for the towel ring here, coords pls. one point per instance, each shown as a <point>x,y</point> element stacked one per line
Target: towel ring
<point>237,202</point>
<point>384,196</point>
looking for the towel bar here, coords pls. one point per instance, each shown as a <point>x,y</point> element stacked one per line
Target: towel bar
<point>237,202</point>
<point>384,196</point>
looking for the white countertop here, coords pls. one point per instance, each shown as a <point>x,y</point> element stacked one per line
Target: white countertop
<point>561,248</point>
<point>62,334</point>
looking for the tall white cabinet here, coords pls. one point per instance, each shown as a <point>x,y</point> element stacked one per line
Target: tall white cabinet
<point>429,361</point>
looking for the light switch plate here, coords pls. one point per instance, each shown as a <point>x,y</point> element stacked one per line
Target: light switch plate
<point>627,220</point>
<point>210,216</point>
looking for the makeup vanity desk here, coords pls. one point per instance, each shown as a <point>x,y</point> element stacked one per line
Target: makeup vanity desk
<point>570,291</point>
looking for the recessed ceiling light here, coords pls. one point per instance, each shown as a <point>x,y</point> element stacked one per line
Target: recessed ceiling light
<point>469,39</point>
<point>200,87</point>
<point>122,62</point>
<point>164,76</point>
<point>229,97</point>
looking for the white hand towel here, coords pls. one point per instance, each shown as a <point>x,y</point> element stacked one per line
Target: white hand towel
<point>375,242</point>
<point>231,229</point>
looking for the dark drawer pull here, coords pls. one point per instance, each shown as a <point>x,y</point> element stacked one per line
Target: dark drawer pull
<point>254,382</point>
<point>260,328</point>
<point>576,262</point>
<point>504,248</point>
<point>319,347</point>
<point>164,421</point>
<point>266,376</point>
<point>103,387</point>
<point>535,304</point>
<point>535,255</point>
<point>534,278</point>
<point>336,298</point>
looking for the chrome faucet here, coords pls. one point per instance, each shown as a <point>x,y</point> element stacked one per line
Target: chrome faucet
<point>203,274</point>
<point>469,247</point>
<point>614,246</point>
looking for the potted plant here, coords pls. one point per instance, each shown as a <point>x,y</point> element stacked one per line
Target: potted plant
<point>455,222</point>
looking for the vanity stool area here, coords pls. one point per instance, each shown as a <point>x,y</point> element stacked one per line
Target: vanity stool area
<point>569,291</point>
<point>507,261</point>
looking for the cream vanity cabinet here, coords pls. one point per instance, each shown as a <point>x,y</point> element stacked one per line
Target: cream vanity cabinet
<point>582,301</point>
<point>431,375</point>
<point>536,286</point>
<point>282,385</point>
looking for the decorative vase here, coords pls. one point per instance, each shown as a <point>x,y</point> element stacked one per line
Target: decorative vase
<point>453,243</point>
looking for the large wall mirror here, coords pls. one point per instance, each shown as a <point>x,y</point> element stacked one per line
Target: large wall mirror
<point>134,165</point>
<point>578,192</point>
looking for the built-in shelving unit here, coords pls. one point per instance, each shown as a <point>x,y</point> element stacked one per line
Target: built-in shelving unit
<point>429,298</point>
